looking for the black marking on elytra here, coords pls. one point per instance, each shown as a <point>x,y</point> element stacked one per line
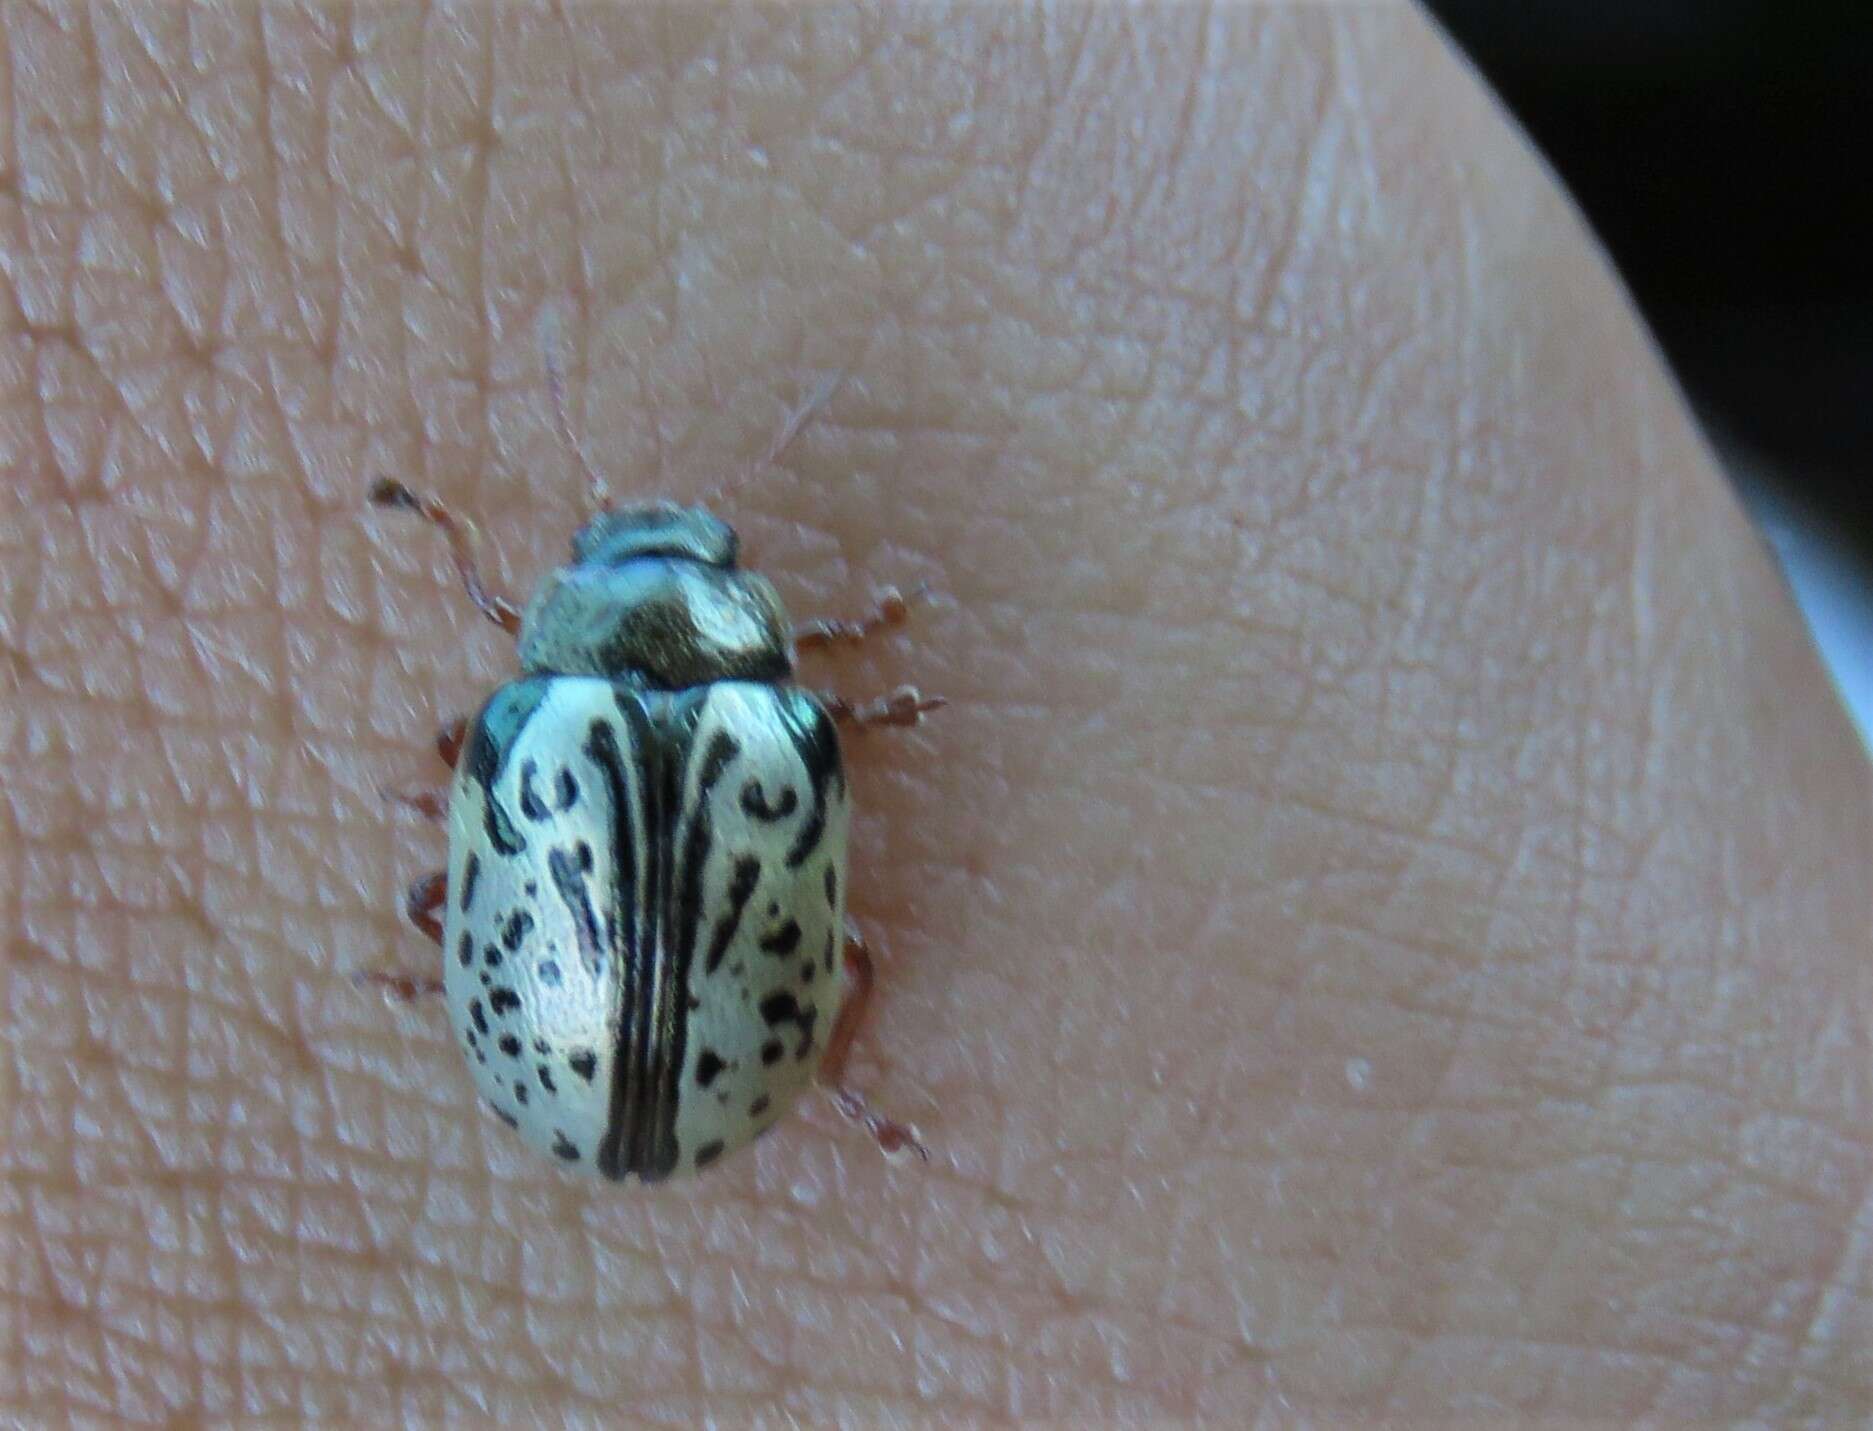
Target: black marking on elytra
<point>470,1034</point>
<point>530,805</point>
<point>503,1001</point>
<point>491,957</point>
<point>471,872</point>
<point>548,973</point>
<point>519,925</point>
<point>832,888</point>
<point>708,1153</point>
<point>533,890</point>
<point>771,1052</point>
<point>520,1092</point>
<point>481,1057</point>
<point>584,853</point>
<point>805,1047</point>
<point>540,1045</point>
<point>741,883</point>
<point>564,1147</point>
<point>754,802</point>
<point>489,739</point>
<point>780,1008</point>
<point>504,1116</point>
<point>481,1019</point>
<point>465,951</point>
<point>807,970</point>
<point>758,1107</point>
<point>546,1079</point>
<point>486,979</point>
<point>708,1066</point>
<point>584,1063</point>
<point>572,887</point>
<point>568,789</point>
<point>510,1045</point>
<point>783,941</point>
<point>817,745</point>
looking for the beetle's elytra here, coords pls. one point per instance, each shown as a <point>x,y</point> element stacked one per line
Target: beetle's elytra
<point>645,953</point>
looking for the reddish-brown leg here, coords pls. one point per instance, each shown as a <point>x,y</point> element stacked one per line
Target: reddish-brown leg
<point>891,608</point>
<point>425,897</point>
<point>386,492</point>
<point>903,707</point>
<point>430,804</point>
<point>892,1137</point>
<point>449,738</point>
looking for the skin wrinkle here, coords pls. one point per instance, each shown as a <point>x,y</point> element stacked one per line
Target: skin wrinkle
<point>1341,615</point>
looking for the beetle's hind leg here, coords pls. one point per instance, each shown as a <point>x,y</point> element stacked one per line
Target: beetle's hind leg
<point>425,897</point>
<point>894,1139</point>
<point>387,492</point>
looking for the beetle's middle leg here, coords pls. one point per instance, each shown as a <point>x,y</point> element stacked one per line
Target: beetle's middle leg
<point>905,706</point>
<point>892,1137</point>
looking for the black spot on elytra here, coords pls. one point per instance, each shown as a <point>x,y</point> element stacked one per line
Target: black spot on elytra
<point>832,888</point>
<point>481,1019</point>
<point>491,957</point>
<point>564,1147</point>
<point>471,872</point>
<point>780,1008</point>
<point>546,1079</point>
<point>519,925</point>
<point>572,887</point>
<point>520,1093</point>
<point>530,805</point>
<point>503,1001</point>
<point>708,1066</point>
<point>584,852</point>
<point>758,1107</point>
<point>771,1051</point>
<point>481,1057</point>
<point>782,941</point>
<point>466,950</point>
<point>486,979</point>
<point>504,1116</point>
<point>708,1153</point>
<point>533,890</point>
<point>568,790</point>
<point>472,1042</point>
<point>548,973</point>
<point>807,970</point>
<point>754,802</point>
<point>539,1045</point>
<point>741,885</point>
<point>584,1063</point>
<point>510,1045</point>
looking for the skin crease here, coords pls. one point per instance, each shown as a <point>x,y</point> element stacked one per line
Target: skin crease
<point>1381,929</point>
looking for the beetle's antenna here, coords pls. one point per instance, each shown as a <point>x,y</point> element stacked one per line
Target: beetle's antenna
<point>795,423</point>
<point>550,349</point>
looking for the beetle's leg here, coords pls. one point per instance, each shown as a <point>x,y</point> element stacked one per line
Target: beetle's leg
<point>432,805</point>
<point>387,492</point>
<point>890,609</point>
<point>905,706</point>
<point>892,1137</point>
<point>404,988</point>
<point>425,897</point>
<point>449,738</point>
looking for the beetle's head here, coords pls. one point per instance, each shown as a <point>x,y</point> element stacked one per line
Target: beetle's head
<point>654,529</point>
<point>653,594</point>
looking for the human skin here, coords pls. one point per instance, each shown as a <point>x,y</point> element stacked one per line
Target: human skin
<point>1381,927</point>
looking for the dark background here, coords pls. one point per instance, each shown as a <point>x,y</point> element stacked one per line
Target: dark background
<point>1723,150</point>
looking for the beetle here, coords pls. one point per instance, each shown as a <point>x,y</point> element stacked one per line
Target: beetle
<point>646,957</point>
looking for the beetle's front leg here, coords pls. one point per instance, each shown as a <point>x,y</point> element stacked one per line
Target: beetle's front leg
<point>905,706</point>
<point>890,608</point>
<point>893,1138</point>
